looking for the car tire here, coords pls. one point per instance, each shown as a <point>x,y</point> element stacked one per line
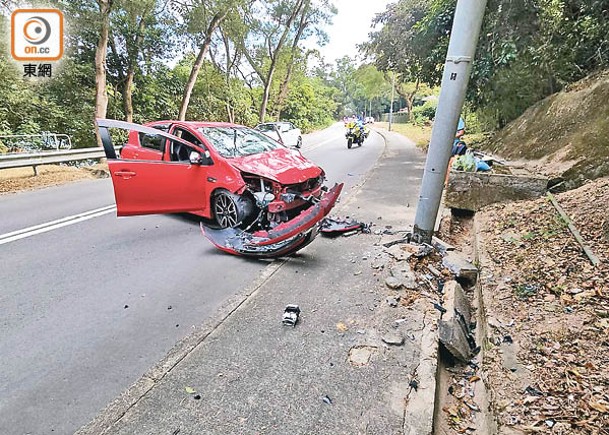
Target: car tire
<point>299,142</point>
<point>228,209</point>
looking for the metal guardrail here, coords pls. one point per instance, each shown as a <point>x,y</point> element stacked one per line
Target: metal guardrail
<point>32,142</point>
<point>9,161</point>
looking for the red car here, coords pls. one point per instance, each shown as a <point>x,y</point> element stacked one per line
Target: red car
<point>265,198</point>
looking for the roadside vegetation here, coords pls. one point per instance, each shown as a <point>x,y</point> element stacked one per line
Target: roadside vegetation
<point>419,134</point>
<point>248,61</point>
<point>241,61</point>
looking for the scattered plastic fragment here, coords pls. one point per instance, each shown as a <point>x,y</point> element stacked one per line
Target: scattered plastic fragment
<point>532,391</point>
<point>290,315</point>
<point>341,327</point>
<point>334,227</point>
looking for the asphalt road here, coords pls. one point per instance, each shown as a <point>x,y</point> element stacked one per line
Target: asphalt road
<point>89,302</point>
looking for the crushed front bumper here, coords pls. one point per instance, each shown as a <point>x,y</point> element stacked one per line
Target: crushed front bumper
<point>284,239</point>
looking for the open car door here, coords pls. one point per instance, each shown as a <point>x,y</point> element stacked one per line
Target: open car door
<point>151,187</point>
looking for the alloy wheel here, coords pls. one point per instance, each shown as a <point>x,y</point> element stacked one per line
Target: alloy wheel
<point>225,210</point>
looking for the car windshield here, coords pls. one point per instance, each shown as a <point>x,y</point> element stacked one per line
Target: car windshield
<point>238,141</point>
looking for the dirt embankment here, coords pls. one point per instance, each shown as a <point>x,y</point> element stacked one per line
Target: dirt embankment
<point>17,180</point>
<point>546,317</point>
<point>564,136</point>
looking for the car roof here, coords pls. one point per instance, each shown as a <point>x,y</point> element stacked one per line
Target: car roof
<point>196,124</point>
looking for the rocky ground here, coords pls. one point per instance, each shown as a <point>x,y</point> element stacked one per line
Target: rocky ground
<point>547,312</point>
<point>16,180</point>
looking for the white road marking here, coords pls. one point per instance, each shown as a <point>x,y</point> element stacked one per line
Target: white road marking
<point>53,225</point>
<point>317,145</point>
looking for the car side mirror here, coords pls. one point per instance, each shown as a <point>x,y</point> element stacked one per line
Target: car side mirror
<point>196,158</point>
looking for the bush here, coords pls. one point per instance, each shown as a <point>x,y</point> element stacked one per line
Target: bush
<point>423,114</point>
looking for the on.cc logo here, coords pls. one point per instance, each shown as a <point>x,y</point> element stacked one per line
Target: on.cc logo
<point>37,35</point>
<point>37,30</point>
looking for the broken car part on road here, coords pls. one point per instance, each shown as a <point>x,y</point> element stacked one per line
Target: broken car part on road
<point>334,227</point>
<point>283,239</point>
<point>266,200</point>
<point>290,315</point>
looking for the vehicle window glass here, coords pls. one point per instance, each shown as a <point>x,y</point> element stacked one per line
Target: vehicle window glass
<point>179,152</point>
<point>187,136</point>
<point>265,127</point>
<point>238,141</point>
<point>152,141</point>
<point>162,127</point>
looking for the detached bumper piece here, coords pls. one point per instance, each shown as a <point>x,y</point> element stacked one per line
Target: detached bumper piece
<point>285,239</point>
<point>334,227</point>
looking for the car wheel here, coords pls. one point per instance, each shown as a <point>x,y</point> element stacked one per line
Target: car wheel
<point>225,210</point>
<point>299,142</point>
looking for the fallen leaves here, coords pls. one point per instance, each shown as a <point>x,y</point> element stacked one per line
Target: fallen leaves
<point>341,327</point>
<point>542,279</point>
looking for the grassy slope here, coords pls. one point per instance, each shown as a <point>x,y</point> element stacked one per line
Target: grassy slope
<point>570,126</point>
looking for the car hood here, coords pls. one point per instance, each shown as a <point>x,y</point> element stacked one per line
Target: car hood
<point>283,165</point>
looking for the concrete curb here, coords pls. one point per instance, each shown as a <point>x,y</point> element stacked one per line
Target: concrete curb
<point>420,407</point>
<point>485,420</point>
<point>420,402</point>
<point>454,327</point>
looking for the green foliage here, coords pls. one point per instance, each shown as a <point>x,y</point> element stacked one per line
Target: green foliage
<point>424,113</point>
<point>310,104</point>
<point>145,37</point>
<point>528,49</point>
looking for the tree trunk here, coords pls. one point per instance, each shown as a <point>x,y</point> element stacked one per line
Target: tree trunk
<point>285,85</point>
<point>101,94</point>
<point>132,64</point>
<point>230,65</point>
<point>267,90</point>
<point>410,99</point>
<point>127,91</point>
<point>274,55</point>
<point>194,72</point>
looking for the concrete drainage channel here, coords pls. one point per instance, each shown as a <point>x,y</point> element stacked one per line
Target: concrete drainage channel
<point>462,403</point>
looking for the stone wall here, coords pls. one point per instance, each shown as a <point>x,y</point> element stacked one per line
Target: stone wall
<point>475,190</point>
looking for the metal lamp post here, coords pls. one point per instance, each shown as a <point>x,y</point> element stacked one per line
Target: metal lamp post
<point>461,50</point>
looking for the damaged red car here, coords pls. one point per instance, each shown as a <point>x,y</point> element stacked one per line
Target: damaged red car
<point>259,197</point>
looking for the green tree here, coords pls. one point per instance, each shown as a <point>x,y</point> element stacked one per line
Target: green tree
<point>270,26</point>
<point>141,35</point>
<point>203,19</point>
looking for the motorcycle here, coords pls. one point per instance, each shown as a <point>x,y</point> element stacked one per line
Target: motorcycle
<point>355,134</point>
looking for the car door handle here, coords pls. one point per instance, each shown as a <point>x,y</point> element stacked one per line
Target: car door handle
<point>125,174</point>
